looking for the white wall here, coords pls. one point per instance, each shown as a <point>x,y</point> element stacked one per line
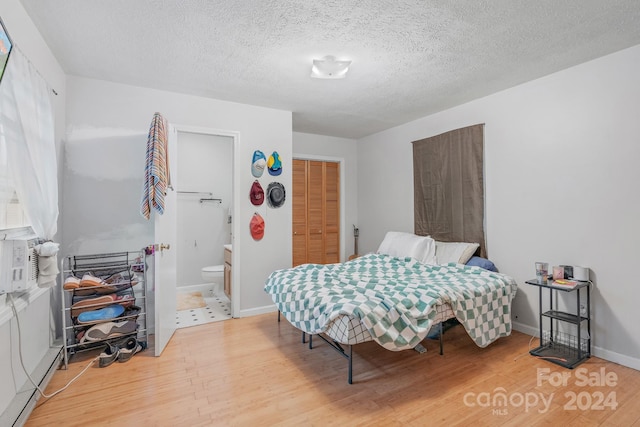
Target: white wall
<point>205,163</point>
<point>39,318</point>
<point>107,129</point>
<point>561,169</point>
<point>319,147</point>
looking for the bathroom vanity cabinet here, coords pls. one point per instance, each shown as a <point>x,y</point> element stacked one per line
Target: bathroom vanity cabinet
<point>227,272</point>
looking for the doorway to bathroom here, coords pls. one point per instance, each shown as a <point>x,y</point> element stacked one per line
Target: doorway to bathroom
<point>204,226</point>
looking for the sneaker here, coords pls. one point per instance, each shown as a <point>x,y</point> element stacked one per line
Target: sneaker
<point>103,331</point>
<point>121,280</point>
<point>118,278</point>
<point>108,356</point>
<point>130,348</point>
<point>89,280</point>
<point>71,282</point>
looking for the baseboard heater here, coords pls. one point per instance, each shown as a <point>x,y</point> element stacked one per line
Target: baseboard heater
<point>25,400</point>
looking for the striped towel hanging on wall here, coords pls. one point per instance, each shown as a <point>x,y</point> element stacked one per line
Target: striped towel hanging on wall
<point>156,171</point>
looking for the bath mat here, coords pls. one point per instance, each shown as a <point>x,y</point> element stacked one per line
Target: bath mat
<point>218,309</point>
<point>190,300</point>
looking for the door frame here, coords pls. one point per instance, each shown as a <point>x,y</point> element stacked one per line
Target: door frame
<point>343,191</point>
<point>235,226</point>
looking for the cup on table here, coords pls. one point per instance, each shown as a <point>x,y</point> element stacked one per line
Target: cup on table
<point>542,271</point>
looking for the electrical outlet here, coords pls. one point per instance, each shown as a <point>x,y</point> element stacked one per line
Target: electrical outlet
<point>583,310</point>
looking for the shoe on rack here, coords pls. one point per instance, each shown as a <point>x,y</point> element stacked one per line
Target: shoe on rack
<point>89,280</point>
<point>71,282</point>
<point>131,346</point>
<point>96,284</point>
<point>104,314</point>
<point>118,278</point>
<point>103,331</point>
<point>121,280</point>
<point>131,311</point>
<point>108,356</point>
<point>95,303</point>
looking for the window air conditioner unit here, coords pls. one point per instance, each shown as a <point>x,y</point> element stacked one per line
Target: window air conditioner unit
<point>18,264</point>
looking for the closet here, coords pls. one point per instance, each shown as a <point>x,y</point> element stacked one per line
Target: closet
<point>316,212</point>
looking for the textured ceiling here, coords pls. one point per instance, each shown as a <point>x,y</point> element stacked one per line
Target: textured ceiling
<point>410,58</point>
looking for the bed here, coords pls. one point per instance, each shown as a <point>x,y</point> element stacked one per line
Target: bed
<point>392,300</point>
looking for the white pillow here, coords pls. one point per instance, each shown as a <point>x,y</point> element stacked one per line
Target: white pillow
<point>399,244</point>
<point>458,252</point>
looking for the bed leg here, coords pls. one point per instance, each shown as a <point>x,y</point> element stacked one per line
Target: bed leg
<point>278,315</point>
<point>350,359</point>
<point>310,341</point>
<point>304,339</point>
<point>440,339</point>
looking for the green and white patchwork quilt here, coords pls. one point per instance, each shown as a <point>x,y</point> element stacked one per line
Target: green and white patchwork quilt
<point>394,298</point>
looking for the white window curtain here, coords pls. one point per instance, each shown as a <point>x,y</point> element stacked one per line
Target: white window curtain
<point>7,188</point>
<point>27,142</point>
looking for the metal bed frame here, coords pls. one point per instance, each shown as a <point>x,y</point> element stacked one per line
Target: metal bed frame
<point>334,344</point>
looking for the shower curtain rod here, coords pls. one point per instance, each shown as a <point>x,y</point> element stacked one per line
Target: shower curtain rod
<point>208,193</point>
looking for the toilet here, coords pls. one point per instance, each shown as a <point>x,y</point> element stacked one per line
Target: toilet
<point>214,274</point>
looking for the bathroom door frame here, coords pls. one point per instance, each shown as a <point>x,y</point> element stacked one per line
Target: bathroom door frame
<point>235,291</point>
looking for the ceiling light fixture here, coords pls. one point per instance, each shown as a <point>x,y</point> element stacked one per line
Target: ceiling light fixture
<point>329,68</point>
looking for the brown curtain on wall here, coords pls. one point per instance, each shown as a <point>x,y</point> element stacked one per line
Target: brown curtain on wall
<point>448,186</point>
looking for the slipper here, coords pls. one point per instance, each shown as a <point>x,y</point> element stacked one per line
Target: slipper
<point>106,313</point>
<point>107,330</point>
<point>131,347</point>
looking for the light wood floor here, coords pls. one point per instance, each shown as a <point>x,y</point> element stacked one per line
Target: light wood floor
<point>256,372</point>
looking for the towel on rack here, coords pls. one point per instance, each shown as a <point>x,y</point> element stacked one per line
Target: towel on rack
<point>156,173</point>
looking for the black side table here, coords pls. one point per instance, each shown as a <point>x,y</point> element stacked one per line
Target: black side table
<point>563,348</point>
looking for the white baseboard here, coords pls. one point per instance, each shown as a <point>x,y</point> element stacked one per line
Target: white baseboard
<point>525,329</point>
<point>204,287</point>
<point>258,310</point>
<point>608,355</point>
<point>25,399</point>
<point>620,359</point>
